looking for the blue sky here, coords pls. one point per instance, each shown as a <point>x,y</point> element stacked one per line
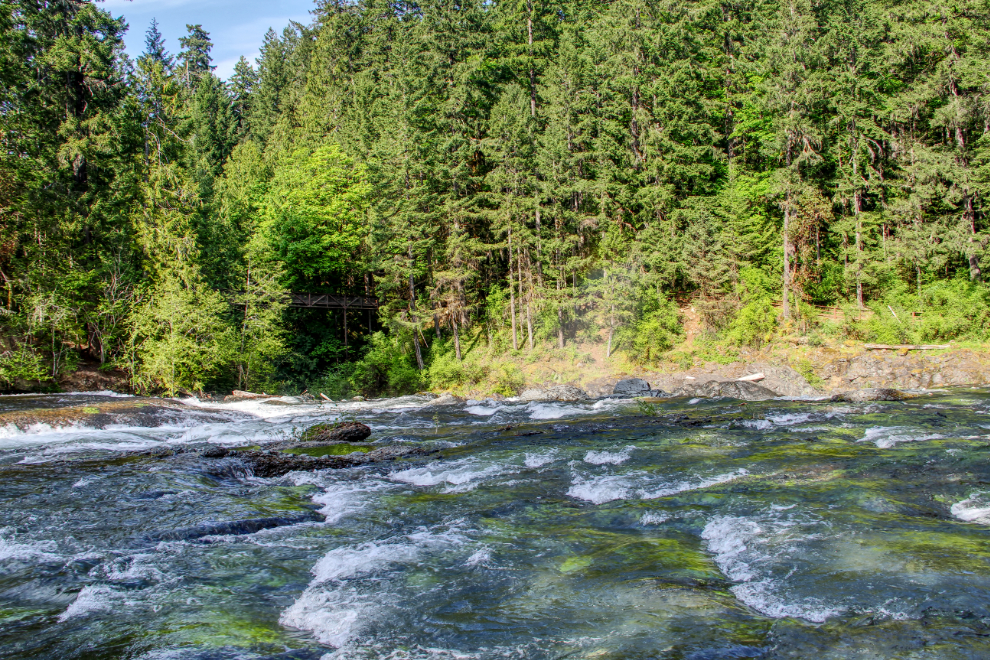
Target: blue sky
<point>236,27</point>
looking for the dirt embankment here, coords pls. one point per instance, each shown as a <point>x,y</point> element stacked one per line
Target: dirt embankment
<point>822,371</point>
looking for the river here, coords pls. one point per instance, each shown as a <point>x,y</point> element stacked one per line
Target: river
<point>696,530</point>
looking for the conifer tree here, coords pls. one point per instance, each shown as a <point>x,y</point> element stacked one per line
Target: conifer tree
<point>154,47</point>
<point>194,58</point>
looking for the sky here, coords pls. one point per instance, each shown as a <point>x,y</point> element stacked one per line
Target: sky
<point>236,27</point>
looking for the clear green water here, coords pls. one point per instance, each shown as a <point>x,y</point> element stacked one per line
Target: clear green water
<point>712,530</point>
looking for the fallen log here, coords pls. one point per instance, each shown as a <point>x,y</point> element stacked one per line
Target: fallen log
<point>906,347</point>
<point>751,378</point>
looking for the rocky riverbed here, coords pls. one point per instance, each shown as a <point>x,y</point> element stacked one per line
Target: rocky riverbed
<point>835,527</point>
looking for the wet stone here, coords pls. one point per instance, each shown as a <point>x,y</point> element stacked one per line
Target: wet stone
<point>339,432</point>
<point>870,394</point>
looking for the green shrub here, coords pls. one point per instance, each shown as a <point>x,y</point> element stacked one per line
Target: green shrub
<point>335,383</point>
<point>447,372</point>
<point>807,369</point>
<point>955,309</point>
<point>950,310</point>
<point>386,368</point>
<point>509,380</point>
<point>757,319</point>
<point>21,365</point>
<point>656,328</point>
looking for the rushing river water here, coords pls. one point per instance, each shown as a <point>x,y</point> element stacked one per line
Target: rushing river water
<point>700,530</point>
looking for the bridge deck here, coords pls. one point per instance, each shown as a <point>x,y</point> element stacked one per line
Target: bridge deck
<point>332,301</point>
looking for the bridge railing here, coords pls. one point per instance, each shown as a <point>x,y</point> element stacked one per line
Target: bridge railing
<point>318,300</point>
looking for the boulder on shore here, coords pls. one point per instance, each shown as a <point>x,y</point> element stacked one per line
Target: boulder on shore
<point>869,394</point>
<point>339,432</point>
<point>554,393</point>
<point>632,387</point>
<point>445,399</point>
<point>731,389</point>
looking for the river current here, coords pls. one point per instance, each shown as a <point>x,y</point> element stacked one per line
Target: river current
<point>611,530</point>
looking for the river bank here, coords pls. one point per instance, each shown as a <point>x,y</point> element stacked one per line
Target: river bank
<point>789,369</point>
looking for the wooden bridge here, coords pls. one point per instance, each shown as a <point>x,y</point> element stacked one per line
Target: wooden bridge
<point>332,301</point>
<point>317,300</point>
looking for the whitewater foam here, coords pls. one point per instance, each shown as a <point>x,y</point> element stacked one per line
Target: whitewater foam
<point>654,518</point>
<point>885,437</point>
<point>337,604</point>
<point>11,549</point>
<point>609,457</point>
<point>483,410</point>
<point>539,459</point>
<point>599,490</point>
<point>684,486</point>
<point>748,551</point>
<point>975,508</point>
<point>93,598</point>
<point>459,476</point>
<point>553,411</point>
<point>107,393</point>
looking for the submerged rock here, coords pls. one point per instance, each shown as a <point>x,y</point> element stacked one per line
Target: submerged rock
<point>870,394</point>
<point>632,387</point>
<point>269,464</point>
<point>555,393</point>
<point>732,389</point>
<point>214,452</point>
<point>339,432</point>
<point>233,527</point>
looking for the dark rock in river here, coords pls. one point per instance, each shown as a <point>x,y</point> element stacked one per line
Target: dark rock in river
<point>632,387</point>
<point>233,527</point>
<point>555,393</point>
<point>339,432</point>
<point>870,394</point>
<point>731,389</point>
<point>274,463</point>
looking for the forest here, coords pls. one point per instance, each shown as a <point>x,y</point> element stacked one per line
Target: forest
<point>516,177</point>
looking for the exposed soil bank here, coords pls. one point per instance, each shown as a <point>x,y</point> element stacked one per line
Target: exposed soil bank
<point>830,370</point>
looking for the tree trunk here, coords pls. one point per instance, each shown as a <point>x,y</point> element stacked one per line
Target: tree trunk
<point>345,332</point>
<point>512,298</point>
<point>412,313</point>
<point>532,71</point>
<point>560,316</point>
<point>529,301</point>
<point>787,249</point>
<point>975,273</point>
<point>857,200</point>
<point>457,338</point>
<point>419,353</point>
<point>611,331</point>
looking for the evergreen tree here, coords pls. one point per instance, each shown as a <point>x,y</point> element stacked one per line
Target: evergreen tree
<point>194,58</point>
<point>154,47</point>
